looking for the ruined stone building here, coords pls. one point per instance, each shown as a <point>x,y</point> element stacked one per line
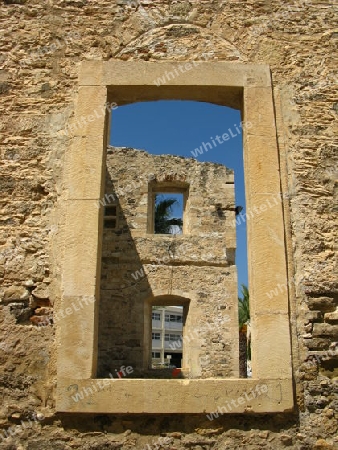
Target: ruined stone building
<point>195,269</point>
<point>81,266</point>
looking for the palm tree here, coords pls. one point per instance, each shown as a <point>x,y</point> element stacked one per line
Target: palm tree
<point>163,212</point>
<point>243,307</point>
<point>244,328</point>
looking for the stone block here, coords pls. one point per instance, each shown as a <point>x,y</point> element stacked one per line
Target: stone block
<point>120,73</point>
<point>325,329</point>
<point>15,294</point>
<point>268,358</point>
<point>174,396</point>
<point>266,258</point>
<point>322,303</point>
<point>259,116</point>
<point>91,113</point>
<point>331,317</point>
<point>81,242</point>
<point>88,153</point>
<point>75,318</point>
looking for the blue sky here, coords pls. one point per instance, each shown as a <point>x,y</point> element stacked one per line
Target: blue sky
<point>178,128</point>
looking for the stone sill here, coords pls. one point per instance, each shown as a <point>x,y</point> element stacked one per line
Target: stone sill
<point>203,396</point>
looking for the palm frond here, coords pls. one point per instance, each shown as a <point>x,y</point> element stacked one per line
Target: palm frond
<point>243,307</point>
<point>163,212</point>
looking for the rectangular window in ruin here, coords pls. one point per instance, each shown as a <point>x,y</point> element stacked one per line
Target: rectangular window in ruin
<point>110,216</point>
<point>167,207</point>
<point>169,346</point>
<point>209,245</point>
<point>247,87</point>
<point>168,213</point>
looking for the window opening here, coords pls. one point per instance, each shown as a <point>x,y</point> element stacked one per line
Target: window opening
<point>170,353</point>
<point>247,88</point>
<point>110,216</point>
<point>205,142</point>
<point>168,213</point>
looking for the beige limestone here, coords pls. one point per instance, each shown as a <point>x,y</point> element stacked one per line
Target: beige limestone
<point>173,396</point>
<point>148,268</point>
<point>262,177</point>
<point>296,42</point>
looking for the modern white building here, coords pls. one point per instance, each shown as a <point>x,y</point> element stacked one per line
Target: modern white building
<point>167,328</point>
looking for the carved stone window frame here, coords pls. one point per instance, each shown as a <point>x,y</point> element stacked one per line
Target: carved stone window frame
<point>243,86</point>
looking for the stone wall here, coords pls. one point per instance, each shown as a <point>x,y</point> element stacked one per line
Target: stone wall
<point>42,44</point>
<point>195,268</point>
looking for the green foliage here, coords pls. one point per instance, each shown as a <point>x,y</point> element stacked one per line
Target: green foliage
<point>243,307</point>
<point>163,212</point>
<point>244,315</point>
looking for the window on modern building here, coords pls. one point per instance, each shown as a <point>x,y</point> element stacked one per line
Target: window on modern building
<point>156,355</point>
<point>172,337</point>
<point>156,336</point>
<point>156,316</point>
<point>170,346</point>
<point>173,318</point>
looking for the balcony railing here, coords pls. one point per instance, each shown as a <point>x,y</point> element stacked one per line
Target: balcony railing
<point>173,345</point>
<point>173,326</point>
<point>156,324</point>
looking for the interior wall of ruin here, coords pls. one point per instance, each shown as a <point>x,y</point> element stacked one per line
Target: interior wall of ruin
<point>42,45</point>
<point>198,265</point>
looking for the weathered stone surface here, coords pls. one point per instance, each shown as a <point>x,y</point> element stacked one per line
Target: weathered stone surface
<point>15,293</point>
<point>139,266</point>
<point>322,303</point>
<point>41,292</point>
<point>182,396</point>
<point>325,329</point>
<point>42,44</point>
<point>331,317</point>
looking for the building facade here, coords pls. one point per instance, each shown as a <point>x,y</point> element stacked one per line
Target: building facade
<point>194,270</point>
<point>167,333</point>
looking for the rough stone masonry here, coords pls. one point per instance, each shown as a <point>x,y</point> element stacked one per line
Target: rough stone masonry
<point>42,44</point>
<point>195,269</point>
